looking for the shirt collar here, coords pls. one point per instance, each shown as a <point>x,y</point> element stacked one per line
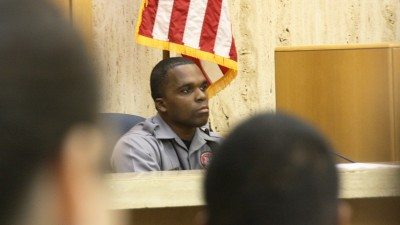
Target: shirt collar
<point>163,131</point>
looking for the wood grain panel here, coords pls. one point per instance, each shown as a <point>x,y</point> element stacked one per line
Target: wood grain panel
<point>64,6</point>
<point>164,216</point>
<point>347,93</point>
<point>396,102</point>
<point>370,211</point>
<point>375,211</point>
<point>81,13</point>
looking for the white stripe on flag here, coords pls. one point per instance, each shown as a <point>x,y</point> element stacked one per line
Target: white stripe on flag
<point>212,70</point>
<point>223,41</point>
<point>194,23</point>
<point>163,18</point>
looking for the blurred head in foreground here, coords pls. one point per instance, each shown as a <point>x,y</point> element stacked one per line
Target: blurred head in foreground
<point>49,147</point>
<point>273,170</point>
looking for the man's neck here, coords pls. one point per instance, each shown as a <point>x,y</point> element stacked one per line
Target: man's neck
<point>183,132</point>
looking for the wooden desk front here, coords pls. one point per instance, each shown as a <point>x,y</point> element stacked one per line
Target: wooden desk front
<point>175,198</point>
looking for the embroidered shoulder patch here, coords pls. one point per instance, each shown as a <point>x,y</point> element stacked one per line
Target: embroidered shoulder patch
<point>205,158</point>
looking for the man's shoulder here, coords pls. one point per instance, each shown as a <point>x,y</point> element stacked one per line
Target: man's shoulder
<point>215,135</point>
<point>140,136</point>
<point>211,135</point>
<point>143,129</point>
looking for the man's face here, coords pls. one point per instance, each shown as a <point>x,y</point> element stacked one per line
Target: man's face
<point>185,102</point>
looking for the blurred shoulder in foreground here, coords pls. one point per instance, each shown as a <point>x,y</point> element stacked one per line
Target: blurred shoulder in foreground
<point>274,169</point>
<point>50,148</point>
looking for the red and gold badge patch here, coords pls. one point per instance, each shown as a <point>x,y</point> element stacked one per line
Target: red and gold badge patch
<point>205,158</point>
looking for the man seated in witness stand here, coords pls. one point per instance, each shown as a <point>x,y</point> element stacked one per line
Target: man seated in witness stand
<point>49,147</point>
<point>173,139</point>
<point>274,170</point>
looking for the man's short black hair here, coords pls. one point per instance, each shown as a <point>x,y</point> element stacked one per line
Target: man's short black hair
<point>273,169</point>
<point>158,76</point>
<point>47,85</point>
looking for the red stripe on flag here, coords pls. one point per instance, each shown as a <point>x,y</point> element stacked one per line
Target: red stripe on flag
<point>223,69</point>
<point>148,18</point>
<point>179,14</point>
<point>232,52</point>
<point>210,25</point>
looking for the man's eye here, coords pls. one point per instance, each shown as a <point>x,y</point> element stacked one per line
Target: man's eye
<point>204,87</point>
<point>185,90</point>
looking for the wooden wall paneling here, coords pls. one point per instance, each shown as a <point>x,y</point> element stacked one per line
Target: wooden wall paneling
<point>365,211</point>
<point>82,15</point>
<point>396,102</point>
<point>372,211</point>
<point>64,6</point>
<point>347,92</point>
<point>165,216</point>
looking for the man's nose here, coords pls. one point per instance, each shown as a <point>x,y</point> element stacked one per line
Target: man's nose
<point>201,95</point>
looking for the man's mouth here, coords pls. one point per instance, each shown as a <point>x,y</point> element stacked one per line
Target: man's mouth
<point>203,109</point>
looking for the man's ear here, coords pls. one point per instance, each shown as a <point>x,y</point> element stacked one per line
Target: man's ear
<point>79,184</point>
<point>160,105</point>
<point>344,213</point>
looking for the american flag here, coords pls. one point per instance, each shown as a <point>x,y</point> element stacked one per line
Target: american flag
<point>197,29</point>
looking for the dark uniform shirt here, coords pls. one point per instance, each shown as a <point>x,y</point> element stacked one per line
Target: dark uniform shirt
<point>153,146</point>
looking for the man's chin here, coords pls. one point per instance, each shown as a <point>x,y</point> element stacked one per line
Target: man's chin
<point>198,120</point>
<point>201,122</point>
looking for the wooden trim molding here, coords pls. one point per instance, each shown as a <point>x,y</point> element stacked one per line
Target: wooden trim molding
<point>184,188</point>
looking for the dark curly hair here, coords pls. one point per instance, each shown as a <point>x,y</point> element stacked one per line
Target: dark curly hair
<point>273,169</point>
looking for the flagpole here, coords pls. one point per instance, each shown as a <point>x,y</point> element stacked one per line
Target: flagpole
<point>166,54</point>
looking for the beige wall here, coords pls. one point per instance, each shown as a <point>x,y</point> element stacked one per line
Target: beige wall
<point>259,26</point>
